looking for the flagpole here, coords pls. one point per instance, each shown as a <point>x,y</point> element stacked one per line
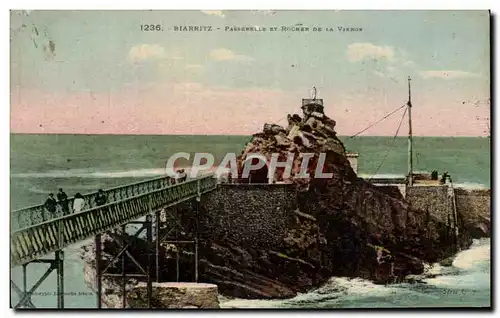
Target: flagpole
<point>410,137</point>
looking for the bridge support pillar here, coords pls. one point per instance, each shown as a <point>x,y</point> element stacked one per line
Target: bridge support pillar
<point>56,264</point>
<point>149,237</point>
<point>124,241</point>
<point>180,235</point>
<point>59,262</point>
<point>196,256</point>
<point>157,245</point>
<point>25,284</point>
<point>98,271</point>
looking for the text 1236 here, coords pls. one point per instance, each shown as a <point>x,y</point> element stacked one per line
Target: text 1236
<point>151,27</point>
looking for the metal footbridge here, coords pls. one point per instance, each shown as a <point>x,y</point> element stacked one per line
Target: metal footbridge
<point>36,232</point>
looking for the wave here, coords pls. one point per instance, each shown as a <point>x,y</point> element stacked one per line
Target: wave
<point>228,302</point>
<point>337,292</point>
<point>79,187</point>
<point>92,174</point>
<point>463,185</point>
<point>469,274</point>
<point>40,191</point>
<point>88,173</point>
<point>380,175</point>
<point>478,253</point>
<point>470,269</point>
<point>470,185</point>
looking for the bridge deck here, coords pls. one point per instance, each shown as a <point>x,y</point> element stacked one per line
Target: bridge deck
<point>37,214</point>
<point>39,237</point>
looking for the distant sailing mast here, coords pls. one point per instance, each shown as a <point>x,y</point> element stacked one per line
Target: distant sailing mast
<point>410,144</point>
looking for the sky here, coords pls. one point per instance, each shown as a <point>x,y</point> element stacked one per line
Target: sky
<point>97,72</point>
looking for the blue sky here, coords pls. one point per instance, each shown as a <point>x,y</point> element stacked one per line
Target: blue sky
<point>103,62</point>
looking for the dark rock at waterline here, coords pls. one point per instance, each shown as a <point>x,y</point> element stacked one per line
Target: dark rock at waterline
<point>447,261</point>
<point>479,229</point>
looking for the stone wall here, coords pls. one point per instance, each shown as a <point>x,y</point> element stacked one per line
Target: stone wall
<point>475,208</point>
<point>432,198</point>
<point>258,214</point>
<point>473,202</point>
<point>472,206</point>
<point>250,214</point>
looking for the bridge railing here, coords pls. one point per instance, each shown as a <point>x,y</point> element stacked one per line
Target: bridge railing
<point>37,214</point>
<point>32,242</point>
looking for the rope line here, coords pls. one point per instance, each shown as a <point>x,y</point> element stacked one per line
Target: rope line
<point>386,116</point>
<point>279,120</point>
<point>392,145</point>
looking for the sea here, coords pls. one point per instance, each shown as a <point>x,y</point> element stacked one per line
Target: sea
<point>40,164</point>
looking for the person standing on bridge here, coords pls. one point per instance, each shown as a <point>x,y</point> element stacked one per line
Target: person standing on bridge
<point>78,203</point>
<point>101,198</point>
<point>50,205</point>
<point>182,175</point>
<point>63,201</point>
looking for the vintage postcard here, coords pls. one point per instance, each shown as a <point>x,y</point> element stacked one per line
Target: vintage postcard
<point>250,159</point>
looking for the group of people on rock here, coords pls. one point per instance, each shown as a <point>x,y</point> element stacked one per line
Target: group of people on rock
<point>445,177</point>
<point>51,204</point>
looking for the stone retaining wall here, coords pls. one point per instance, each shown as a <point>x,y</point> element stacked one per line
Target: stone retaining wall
<point>253,214</point>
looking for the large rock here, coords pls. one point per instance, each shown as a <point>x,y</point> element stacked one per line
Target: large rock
<point>338,223</point>
<point>272,129</point>
<point>343,226</point>
<point>479,229</point>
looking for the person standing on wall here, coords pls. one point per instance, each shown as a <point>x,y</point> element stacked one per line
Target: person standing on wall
<point>78,203</point>
<point>182,175</point>
<point>62,198</point>
<point>50,205</point>
<point>101,198</point>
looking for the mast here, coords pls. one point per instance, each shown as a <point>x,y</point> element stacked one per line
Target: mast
<point>410,141</point>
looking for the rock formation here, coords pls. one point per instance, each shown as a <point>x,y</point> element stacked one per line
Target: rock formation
<point>343,226</point>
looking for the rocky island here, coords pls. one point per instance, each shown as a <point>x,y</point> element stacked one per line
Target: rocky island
<point>340,226</point>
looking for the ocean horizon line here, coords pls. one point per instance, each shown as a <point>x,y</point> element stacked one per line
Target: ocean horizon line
<point>233,135</point>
